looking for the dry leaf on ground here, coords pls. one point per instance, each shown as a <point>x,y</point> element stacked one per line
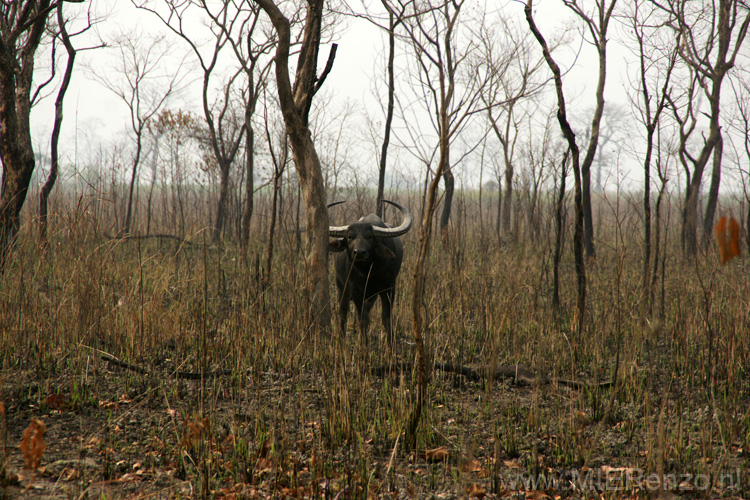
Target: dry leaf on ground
<point>32,444</point>
<point>476,491</point>
<point>436,454</point>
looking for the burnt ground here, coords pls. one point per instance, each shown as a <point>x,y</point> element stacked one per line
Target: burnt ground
<point>121,434</point>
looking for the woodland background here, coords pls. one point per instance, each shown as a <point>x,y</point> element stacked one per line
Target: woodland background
<point>568,305</point>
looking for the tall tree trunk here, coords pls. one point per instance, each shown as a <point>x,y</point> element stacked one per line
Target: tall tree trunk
<point>580,265</point>
<point>444,169</point>
<point>249,183</point>
<point>449,183</point>
<point>692,190</point>
<point>154,158</point>
<point>316,248</point>
<point>279,163</point>
<point>657,243</point>
<point>725,17</point>
<point>133,177</point>
<point>598,28</point>
<point>508,199</point>
<point>295,107</point>
<point>49,184</point>
<point>646,282</point>
<point>272,226</point>
<point>418,304</point>
<point>17,176</point>
<point>588,160</point>
<point>559,208</point>
<point>690,218</point>
<point>588,219</point>
<point>481,190</point>
<point>221,211</point>
<point>509,146</point>
<point>389,112</point>
<point>713,193</point>
<point>17,54</point>
<point>250,168</point>
<point>499,207</point>
<point>651,122</point>
<point>297,219</point>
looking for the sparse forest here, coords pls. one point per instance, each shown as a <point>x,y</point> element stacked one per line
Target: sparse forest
<point>572,313</point>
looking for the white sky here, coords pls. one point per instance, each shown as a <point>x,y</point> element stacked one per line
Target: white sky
<point>93,115</point>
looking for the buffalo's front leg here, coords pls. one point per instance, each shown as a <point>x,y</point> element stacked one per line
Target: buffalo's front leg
<point>386,304</point>
<point>344,299</point>
<point>363,315</point>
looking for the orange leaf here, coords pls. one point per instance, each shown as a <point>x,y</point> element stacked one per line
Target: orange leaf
<point>193,431</point>
<point>476,491</point>
<point>436,454</point>
<point>128,477</point>
<point>473,465</point>
<point>537,495</point>
<point>728,238</point>
<point>58,402</point>
<point>94,442</point>
<point>32,444</point>
<point>71,474</point>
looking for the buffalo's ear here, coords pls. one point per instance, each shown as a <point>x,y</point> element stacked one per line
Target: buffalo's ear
<point>337,245</point>
<point>384,252</point>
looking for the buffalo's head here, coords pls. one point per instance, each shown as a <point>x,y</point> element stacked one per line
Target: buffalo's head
<point>362,240</point>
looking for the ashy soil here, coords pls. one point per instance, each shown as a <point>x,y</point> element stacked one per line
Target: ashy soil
<point>136,370</point>
<point>259,435</point>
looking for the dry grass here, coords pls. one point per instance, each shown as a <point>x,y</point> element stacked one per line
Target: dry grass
<point>302,415</point>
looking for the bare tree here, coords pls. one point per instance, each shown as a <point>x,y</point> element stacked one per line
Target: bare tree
<point>396,14</point>
<point>510,66</point>
<point>654,80</point>
<point>225,130</point>
<point>279,162</point>
<point>250,44</point>
<point>295,105</point>
<point>742,126</point>
<point>711,35</point>
<point>394,19</point>
<point>329,125</point>
<point>559,211</point>
<point>613,128</point>
<point>597,24</point>
<point>21,33</point>
<point>662,169</point>
<point>433,30</point>
<point>540,154</point>
<point>567,131</point>
<point>145,86</point>
<point>173,132</point>
<point>393,22</point>
<point>49,184</point>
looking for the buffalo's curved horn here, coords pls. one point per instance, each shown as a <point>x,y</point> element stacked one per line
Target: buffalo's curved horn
<point>392,232</point>
<point>337,231</point>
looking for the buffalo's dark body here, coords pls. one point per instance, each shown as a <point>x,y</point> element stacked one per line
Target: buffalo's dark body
<point>367,267</point>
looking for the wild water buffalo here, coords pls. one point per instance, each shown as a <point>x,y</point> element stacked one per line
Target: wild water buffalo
<point>367,265</point>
